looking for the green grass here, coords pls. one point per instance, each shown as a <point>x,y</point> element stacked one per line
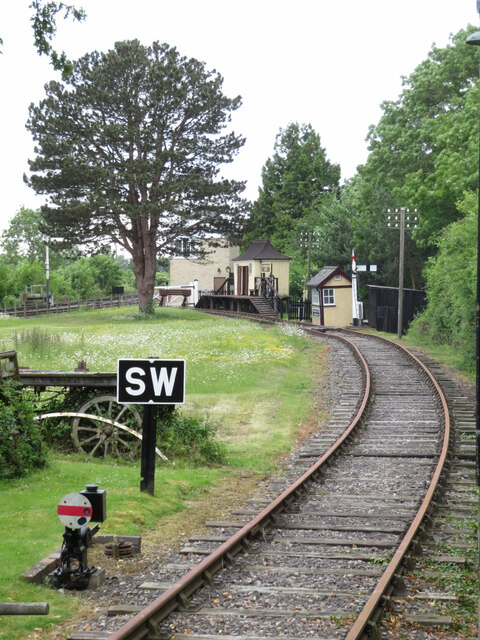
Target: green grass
<point>256,383</point>
<point>31,530</point>
<point>444,353</point>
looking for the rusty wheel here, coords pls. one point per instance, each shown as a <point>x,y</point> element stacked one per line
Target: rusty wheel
<point>110,436</point>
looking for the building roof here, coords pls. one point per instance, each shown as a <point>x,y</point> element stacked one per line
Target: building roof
<point>261,249</point>
<point>324,275</point>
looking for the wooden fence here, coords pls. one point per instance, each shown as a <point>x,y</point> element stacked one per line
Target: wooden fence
<point>37,308</point>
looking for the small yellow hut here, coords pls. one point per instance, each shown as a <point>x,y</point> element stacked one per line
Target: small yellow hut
<point>261,260</point>
<point>331,298</point>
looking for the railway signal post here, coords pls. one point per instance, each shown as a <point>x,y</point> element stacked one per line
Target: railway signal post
<point>75,511</point>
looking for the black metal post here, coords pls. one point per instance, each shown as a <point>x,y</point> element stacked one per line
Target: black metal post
<point>474,39</point>
<point>149,441</point>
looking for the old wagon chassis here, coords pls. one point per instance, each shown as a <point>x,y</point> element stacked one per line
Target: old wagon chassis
<point>41,379</point>
<point>100,425</point>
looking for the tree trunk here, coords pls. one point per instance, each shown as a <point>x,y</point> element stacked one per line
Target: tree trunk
<point>145,291</point>
<point>144,256</point>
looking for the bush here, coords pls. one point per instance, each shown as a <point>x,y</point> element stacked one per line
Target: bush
<point>451,287</point>
<point>189,438</point>
<point>20,443</point>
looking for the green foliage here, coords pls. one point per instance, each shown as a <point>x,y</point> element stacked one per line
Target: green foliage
<point>44,24</point>
<point>189,438</point>
<point>295,182</point>
<point>20,444</point>
<point>36,340</point>
<point>423,151</point>
<point>91,277</point>
<point>22,238</point>
<point>451,286</point>
<point>149,310</point>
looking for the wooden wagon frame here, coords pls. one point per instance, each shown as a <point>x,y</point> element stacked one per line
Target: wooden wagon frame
<point>100,426</point>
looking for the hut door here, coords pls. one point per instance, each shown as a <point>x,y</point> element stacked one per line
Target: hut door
<point>242,281</point>
<point>245,281</point>
<point>217,283</point>
<point>239,280</point>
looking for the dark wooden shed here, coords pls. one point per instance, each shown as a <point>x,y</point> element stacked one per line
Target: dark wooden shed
<point>383,307</point>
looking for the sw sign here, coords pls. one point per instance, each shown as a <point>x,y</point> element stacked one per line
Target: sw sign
<point>151,381</point>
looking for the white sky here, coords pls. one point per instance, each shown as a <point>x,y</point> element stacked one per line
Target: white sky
<point>329,63</point>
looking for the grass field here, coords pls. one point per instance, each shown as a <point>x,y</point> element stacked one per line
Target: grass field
<point>257,384</point>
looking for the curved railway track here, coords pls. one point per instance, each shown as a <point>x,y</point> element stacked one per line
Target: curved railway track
<point>322,549</point>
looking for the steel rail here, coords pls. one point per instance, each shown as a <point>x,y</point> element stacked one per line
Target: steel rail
<point>147,621</point>
<point>372,606</point>
<point>364,625</point>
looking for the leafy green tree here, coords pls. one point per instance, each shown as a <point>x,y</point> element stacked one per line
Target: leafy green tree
<point>22,238</point>
<point>27,274</point>
<point>83,279</point>
<point>44,25</point>
<point>295,180</point>
<point>129,151</point>
<point>451,285</point>
<point>107,272</point>
<point>5,280</point>
<point>423,151</point>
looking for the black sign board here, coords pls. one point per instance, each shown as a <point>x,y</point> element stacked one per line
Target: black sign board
<point>150,381</point>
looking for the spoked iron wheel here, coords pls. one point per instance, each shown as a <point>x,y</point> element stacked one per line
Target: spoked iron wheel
<point>107,437</point>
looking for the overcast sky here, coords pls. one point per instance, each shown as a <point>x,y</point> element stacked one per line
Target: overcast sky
<point>329,63</point>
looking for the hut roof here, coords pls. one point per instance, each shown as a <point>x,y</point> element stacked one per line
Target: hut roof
<point>325,274</point>
<point>261,249</point>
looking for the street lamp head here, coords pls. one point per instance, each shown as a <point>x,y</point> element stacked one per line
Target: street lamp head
<point>474,38</point>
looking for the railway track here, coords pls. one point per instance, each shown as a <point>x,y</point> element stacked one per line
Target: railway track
<point>321,550</point>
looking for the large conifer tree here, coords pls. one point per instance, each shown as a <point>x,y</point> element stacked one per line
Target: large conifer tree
<point>128,151</point>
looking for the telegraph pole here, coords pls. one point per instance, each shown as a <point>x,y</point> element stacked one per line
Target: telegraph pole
<point>307,240</point>
<point>401,219</point>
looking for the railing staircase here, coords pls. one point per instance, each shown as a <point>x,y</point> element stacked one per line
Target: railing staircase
<point>263,306</point>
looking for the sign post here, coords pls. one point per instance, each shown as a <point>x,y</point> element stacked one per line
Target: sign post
<point>149,440</point>
<point>150,382</point>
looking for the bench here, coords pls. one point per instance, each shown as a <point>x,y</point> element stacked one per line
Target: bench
<point>165,293</point>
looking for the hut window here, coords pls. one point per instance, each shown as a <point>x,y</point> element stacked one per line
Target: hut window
<point>328,297</point>
<point>315,297</point>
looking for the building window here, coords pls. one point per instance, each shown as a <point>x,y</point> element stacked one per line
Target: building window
<point>315,297</point>
<point>186,247</point>
<point>328,297</point>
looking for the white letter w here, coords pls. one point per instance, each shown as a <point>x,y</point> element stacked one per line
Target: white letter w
<point>162,379</point>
